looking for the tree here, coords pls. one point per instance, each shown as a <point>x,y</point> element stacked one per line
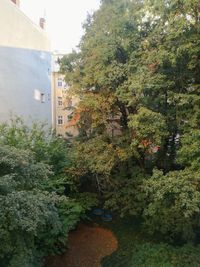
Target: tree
<point>172,204</point>
<point>35,216</point>
<point>137,73</point>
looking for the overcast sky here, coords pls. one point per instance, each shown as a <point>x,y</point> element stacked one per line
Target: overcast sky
<point>64,19</point>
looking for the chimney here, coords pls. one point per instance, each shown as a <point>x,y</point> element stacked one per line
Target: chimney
<point>42,23</point>
<point>16,2</point>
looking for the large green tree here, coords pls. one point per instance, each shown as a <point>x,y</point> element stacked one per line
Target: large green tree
<point>137,76</point>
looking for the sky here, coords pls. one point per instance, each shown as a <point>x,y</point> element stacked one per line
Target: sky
<point>64,19</point>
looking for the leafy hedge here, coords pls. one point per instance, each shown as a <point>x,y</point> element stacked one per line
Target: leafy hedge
<point>35,216</point>
<point>164,255</point>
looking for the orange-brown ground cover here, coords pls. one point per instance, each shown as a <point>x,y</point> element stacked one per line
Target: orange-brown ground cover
<point>87,246</point>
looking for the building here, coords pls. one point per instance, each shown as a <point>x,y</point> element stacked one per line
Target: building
<point>25,66</point>
<point>65,115</point>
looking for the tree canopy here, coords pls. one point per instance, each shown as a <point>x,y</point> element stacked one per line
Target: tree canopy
<point>137,77</point>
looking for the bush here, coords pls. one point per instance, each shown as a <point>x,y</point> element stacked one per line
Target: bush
<point>33,222</point>
<point>44,144</point>
<point>35,218</point>
<point>172,204</point>
<point>164,255</point>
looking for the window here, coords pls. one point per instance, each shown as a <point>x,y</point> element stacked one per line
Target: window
<point>42,97</point>
<point>60,120</point>
<point>60,102</point>
<point>60,82</point>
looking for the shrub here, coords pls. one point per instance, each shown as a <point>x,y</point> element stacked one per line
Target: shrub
<point>164,255</point>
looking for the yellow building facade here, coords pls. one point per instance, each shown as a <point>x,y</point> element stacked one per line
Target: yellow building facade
<point>65,117</point>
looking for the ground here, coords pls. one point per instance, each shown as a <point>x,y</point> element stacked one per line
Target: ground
<point>88,245</point>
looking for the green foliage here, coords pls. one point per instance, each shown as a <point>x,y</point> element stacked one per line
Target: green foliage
<point>172,204</point>
<point>35,215</point>
<point>149,130</point>
<point>31,220</point>
<point>157,255</point>
<point>21,167</point>
<point>45,146</point>
<point>97,155</point>
<point>135,249</point>
<point>137,77</point>
<point>189,153</point>
<point>129,236</point>
<point>24,218</point>
<point>128,199</point>
<point>168,204</point>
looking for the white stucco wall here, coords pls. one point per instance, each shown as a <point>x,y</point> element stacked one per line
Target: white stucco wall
<point>24,75</point>
<point>25,67</point>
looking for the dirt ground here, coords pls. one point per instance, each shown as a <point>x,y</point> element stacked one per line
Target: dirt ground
<point>87,246</point>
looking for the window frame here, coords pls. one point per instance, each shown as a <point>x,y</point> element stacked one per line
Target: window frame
<point>42,97</point>
<point>60,82</point>
<point>60,101</point>
<point>59,120</point>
